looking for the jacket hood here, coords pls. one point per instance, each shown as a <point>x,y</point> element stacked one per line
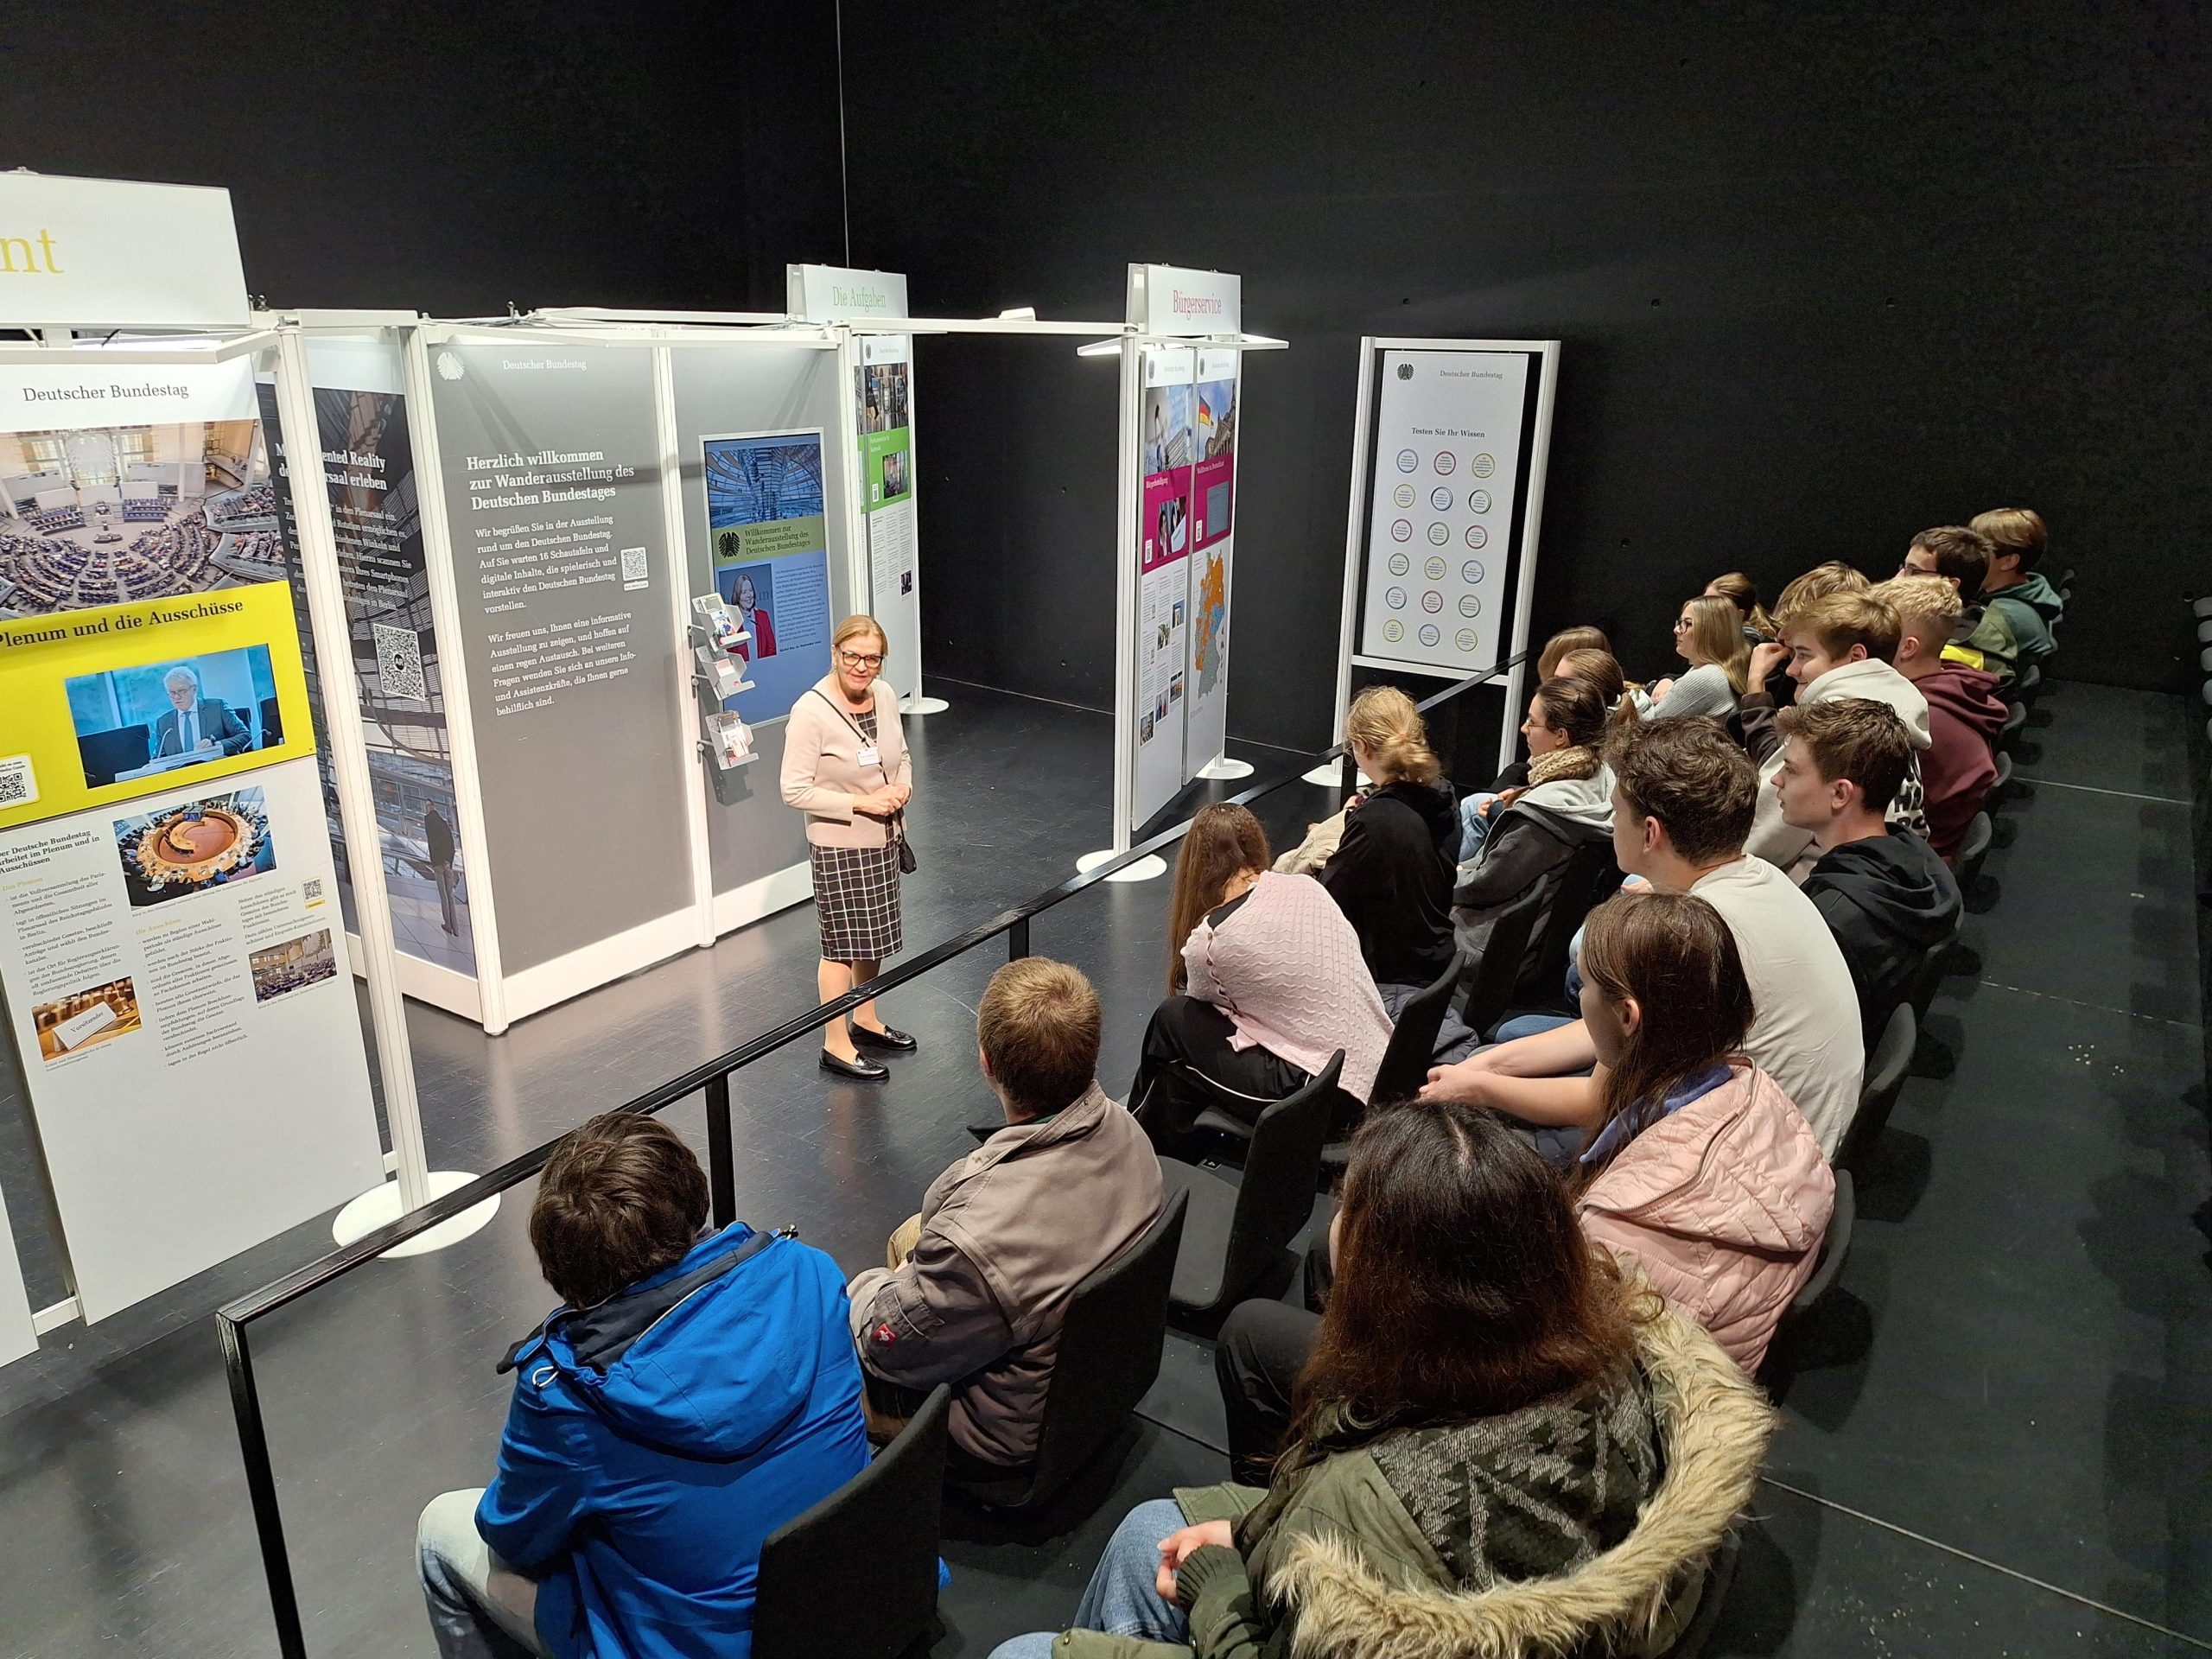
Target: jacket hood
<point>715,1377</point>
<point>2038,594</point>
<point>1714,1429</point>
<point>1898,882</point>
<point>1879,682</point>
<point>1968,695</point>
<point>1579,809</point>
<point>1438,811</point>
<point>1717,1166</point>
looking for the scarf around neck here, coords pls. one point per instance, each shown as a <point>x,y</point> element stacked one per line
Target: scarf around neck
<point>1578,761</point>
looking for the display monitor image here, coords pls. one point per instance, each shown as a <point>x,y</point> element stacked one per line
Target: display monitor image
<point>171,714</point>
<point>179,850</point>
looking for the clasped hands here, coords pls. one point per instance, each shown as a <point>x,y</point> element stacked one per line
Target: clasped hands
<point>1177,1547</point>
<point>882,803</point>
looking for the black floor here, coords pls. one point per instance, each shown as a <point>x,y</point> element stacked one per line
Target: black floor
<point>1998,1444</point>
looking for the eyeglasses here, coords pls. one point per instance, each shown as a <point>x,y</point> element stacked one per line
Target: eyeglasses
<point>1681,623</point>
<point>856,660</point>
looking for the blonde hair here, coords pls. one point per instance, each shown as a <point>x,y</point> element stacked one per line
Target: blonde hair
<point>1842,620</point>
<point>1568,640</point>
<point>2014,529</point>
<point>1927,599</point>
<point>1821,581</point>
<point>1743,593</point>
<point>1717,637</point>
<point>856,624</point>
<point>1383,720</point>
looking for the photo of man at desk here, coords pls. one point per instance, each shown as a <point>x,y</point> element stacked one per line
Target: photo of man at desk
<point>196,724</point>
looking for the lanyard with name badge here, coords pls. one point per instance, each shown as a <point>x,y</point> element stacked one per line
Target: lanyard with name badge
<point>870,754</point>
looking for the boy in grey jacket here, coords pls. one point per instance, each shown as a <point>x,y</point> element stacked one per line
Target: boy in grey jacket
<point>978,1282</point>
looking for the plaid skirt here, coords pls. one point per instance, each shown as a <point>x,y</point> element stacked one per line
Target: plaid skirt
<point>856,901</point>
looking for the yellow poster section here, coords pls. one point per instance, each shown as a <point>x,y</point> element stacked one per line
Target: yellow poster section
<point>40,654</point>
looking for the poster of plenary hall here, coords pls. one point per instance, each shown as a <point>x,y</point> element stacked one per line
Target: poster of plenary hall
<point>175,978</point>
<point>1447,465</point>
<point>1213,516</point>
<point>1166,435</point>
<point>771,562</point>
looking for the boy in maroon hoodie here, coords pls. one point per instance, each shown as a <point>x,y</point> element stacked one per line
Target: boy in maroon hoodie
<point>1964,711</point>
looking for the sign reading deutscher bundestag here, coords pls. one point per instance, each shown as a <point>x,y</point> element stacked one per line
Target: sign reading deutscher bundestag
<point>105,253</point>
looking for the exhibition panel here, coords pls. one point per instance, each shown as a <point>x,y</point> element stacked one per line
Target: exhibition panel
<point>555,544</point>
<point>765,516</point>
<point>172,951</point>
<point>18,1334</point>
<point>1449,451</point>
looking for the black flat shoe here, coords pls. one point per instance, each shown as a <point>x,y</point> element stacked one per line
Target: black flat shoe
<point>890,1037</point>
<point>858,1071</point>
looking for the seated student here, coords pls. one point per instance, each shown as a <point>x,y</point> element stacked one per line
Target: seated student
<point>1265,983</point>
<point>1882,892</point>
<point>1391,875</point>
<point>1497,1438</point>
<point>1961,557</point>
<point>1529,835</point>
<point>1703,1174</point>
<point>1964,711</point>
<point>2013,588</point>
<point>1709,637</point>
<point>1682,802</point>
<point>978,1282</point>
<point>1585,642</point>
<point>1839,646</point>
<point>690,1395</point>
<point>1820,581</point>
<point>1740,591</point>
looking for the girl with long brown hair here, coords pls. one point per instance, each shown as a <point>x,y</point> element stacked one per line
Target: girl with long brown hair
<point>1701,1172</point>
<point>1265,982</point>
<point>1488,1408</point>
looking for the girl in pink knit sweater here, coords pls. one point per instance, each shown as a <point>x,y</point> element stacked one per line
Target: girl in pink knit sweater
<point>1265,983</point>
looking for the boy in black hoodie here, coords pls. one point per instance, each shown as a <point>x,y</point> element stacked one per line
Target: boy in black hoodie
<point>1884,893</point>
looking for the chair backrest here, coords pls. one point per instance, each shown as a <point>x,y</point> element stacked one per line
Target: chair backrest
<point>872,1543</point>
<point>2029,680</point>
<point>1496,971</point>
<point>2003,778</point>
<point>1282,1169</point>
<point>1836,1244</point>
<point>1108,1355</point>
<point>2015,717</point>
<point>1886,1074</point>
<point>1590,878</point>
<point>1927,981</point>
<point>1413,1040</point>
<point>1974,849</point>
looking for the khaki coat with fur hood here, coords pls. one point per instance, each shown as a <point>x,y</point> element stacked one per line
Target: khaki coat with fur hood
<point>1345,1574</point>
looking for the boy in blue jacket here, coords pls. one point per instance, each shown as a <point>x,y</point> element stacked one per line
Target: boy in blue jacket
<point>690,1395</point>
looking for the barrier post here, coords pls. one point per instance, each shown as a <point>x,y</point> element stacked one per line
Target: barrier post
<point>1017,940</point>
<point>261,1488</point>
<point>721,1166</point>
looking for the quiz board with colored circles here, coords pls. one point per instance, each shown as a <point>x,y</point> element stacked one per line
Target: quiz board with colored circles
<point>1446,464</point>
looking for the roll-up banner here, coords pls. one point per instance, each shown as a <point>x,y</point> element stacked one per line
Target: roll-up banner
<point>883,419</point>
<point>171,945</point>
<point>552,491</point>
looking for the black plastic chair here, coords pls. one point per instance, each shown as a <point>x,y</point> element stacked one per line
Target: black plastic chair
<point>1929,980</point>
<point>1836,1244</point>
<point>2016,716</point>
<point>2028,684</point>
<point>1887,1068</point>
<point>1719,1573</point>
<point>1236,1232</point>
<point>2002,785</point>
<point>1589,879</point>
<point>1496,971</point>
<point>1973,851</point>
<point>1110,1341</point>
<point>1413,1040</point>
<point>874,1540</point>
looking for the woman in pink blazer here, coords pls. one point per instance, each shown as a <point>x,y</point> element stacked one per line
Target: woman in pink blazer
<point>1702,1173</point>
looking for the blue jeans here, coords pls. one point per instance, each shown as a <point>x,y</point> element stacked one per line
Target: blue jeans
<point>481,1608</point>
<point>1474,826</point>
<point>1121,1600</point>
<point>1528,1025</point>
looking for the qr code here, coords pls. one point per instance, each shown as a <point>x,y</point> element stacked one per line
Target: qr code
<point>18,783</point>
<point>634,568</point>
<point>311,892</point>
<point>399,662</point>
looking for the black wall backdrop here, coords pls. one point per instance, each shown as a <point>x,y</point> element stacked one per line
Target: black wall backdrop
<point>1826,275</point>
<point>452,159</point>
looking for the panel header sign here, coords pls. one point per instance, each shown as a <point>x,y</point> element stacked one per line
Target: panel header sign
<point>1169,300</point>
<point>104,253</point>
<point>832,293</point>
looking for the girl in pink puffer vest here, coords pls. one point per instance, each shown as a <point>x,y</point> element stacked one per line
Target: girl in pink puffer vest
<point>1702,1173</point>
